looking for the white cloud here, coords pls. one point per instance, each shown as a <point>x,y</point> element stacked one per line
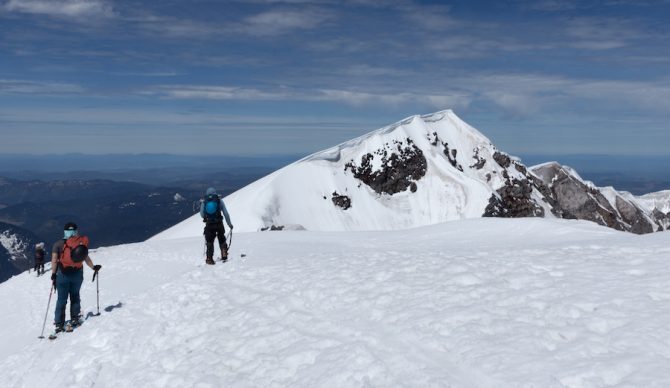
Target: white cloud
<point>278,22</point>
<point>356,98</point>
<point>524,95</point>
<point>61,8</point>
<point>436,18</point>
<point>8,86</point>
<point>216,93</point>
<point>592,33</point>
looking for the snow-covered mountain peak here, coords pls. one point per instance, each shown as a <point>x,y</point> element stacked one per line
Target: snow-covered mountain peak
<point>421,129</point>
<point>422,170</point>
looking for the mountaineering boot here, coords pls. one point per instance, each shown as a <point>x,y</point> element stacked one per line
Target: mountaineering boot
<point>59,328</point>
<point>224,253</point>
<point>209,261</point>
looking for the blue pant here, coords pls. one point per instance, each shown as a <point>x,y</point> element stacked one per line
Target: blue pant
<point>68,284</point>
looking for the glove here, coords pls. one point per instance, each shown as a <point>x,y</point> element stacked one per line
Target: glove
<point>53,279</point>
<point>96,268</point>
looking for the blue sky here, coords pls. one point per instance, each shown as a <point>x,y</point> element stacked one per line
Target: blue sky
<point>291,76</point>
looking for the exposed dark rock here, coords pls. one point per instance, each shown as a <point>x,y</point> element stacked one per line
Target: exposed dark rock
<point>633,216</point>
<point>479,161</point>
<point>502,159</point>
<point>273,227</point>
<point>488,177</point>
<point>662,219</point>
<point>400,168</point>
<point>451,156</point>
<point>342,201</point>
<point>577,200</point>
<point>434,140</point>
<point>659,215</point>
<point>514,200</point>
<point>546,192</point>
<point>520,168</point>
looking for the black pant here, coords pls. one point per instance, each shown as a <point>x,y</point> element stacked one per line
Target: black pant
<point>212,231</point>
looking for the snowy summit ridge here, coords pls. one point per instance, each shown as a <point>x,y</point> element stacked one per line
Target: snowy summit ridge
<point>423,170</point>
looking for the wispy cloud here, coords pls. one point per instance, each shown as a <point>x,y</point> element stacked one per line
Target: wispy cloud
<point>602,33</point>
<point>520,94</point>
<point>553,5</point>
<point>8,86</point>
<point>266,24</point>
<point>434,17</point>
<point>217,93</point>
<point>61,8</point>
<point>349,97</point>
<point>277,22</point>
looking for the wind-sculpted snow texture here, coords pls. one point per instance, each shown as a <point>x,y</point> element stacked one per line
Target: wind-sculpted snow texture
<point>475,303</point>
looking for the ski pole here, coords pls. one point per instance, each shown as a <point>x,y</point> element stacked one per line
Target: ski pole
<point>51,289</point>
<point>97,292</point>
<point>97,289</point>
<point>231,239</point>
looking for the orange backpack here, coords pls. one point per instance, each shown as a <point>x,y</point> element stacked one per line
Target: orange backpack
<point>66,256</point>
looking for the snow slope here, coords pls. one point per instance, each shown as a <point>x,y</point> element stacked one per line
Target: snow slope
<point>659,200</point>
<point>300,196</point>
<point>16,250</point>
<point>474,303</point>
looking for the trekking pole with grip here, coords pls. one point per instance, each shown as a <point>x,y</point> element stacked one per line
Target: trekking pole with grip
<point>51,291</point>
<point>97,288</point>
<point>231,239</point>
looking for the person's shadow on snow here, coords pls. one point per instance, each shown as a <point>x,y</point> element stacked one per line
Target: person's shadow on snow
<point>108,309</point>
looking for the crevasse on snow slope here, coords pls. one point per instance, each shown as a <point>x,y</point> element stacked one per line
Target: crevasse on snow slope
<point>299,195</point>
<point>472,303</point>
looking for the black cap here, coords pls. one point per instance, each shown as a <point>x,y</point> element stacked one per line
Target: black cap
<point>70,226</point>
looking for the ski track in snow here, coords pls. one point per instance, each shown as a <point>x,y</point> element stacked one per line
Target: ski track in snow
<point>476,303</point>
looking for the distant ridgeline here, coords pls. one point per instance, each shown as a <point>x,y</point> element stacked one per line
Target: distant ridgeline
<point>16,250</point>
<point>425,170</point>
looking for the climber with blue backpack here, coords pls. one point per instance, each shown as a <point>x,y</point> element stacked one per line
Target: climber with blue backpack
<point>213,211</point>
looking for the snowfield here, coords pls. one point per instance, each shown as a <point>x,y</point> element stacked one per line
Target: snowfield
<point>472,303</point>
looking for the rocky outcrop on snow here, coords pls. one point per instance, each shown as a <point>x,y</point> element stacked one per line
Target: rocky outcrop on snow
<point>514,200</point>
<point>579,199</point>
<point>516,196</point>
<point>422,170</point>
<point>341,201</point>
<point>663,219</point>
<point>402,164</point>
